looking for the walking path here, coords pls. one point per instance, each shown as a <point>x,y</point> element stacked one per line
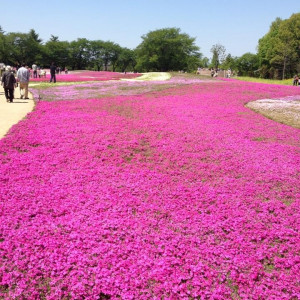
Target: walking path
<point>12,113</point>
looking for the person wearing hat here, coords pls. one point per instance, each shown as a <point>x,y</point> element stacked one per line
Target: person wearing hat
<point>8,82</point>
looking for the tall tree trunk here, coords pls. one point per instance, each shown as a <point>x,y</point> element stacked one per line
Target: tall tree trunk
<point>284,67</point>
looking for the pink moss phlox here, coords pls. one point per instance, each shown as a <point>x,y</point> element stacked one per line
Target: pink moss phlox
<point>178,194</point>
<point>87,76</point>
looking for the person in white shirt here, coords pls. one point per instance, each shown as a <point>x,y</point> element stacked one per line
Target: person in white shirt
<point>23,76</point>
<point>34,69</point>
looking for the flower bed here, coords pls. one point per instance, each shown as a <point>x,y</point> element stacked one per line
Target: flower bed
<point>176,194</point>
<point>87,76</point>
<point>60,92</point>
<point>152,76</point>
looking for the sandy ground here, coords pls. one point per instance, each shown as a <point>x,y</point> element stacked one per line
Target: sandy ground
<point>12,113</point>
<point>284,110</point>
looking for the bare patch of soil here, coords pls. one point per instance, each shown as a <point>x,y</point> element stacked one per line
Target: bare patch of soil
<point>285,110</point>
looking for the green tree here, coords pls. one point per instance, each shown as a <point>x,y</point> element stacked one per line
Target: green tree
<point>35,48</point>
<point>18,48</point>
<point>96,55</point>
<point>4,47</point>
<point>287,45</point>
<point>34,37</point>
<point>279,49</point>
<point>218,52</point>
<point>247,64</point>
<point>56,51</point>
<point>104,53</point>
<point>126,59</point>
<point>230,62</point>
<point>167,49</point>
<point>54,38</point>
<point>79,53</point>
<point>23,47</point>
<point>110,54</point>
<point>204,62</point>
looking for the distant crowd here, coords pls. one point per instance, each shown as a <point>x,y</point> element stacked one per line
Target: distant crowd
<point>12,77</point>
<point>35,71</point>
<point>215,72</point>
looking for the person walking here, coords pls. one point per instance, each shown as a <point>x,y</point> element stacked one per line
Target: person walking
<point>8,82</point>
<point>23,76</point>
<point>52,72</point>
<point>34,69</point>
<point>296,79</point>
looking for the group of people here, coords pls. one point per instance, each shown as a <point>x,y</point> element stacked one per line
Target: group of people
<point>296,80</point>
<point>214,73</point>
<point>9,82</point>
<point>37,71</point>
<point>40,72</point>
<point>59,70</point>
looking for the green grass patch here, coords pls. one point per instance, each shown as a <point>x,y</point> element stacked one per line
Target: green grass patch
<point>269,81</point>
<point>45,85</point>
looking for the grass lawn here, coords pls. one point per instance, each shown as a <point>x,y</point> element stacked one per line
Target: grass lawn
<point>270,81</point>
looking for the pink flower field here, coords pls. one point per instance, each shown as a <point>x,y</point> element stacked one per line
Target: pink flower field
<point>150,192</point>
<point>86,76</point>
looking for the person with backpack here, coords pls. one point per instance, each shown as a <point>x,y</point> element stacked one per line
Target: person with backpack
<point>8,82</point>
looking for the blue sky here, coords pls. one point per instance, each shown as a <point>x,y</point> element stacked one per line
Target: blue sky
<point>236,24</point>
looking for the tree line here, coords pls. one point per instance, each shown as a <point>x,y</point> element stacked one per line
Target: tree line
<point>163,50</point>
<point>277,57</point>
<point>167,49</point>
<point>16,47</point>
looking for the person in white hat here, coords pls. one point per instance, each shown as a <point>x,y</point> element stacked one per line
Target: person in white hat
<point>8,81</point>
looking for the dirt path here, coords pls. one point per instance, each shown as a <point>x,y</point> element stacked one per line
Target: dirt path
<point>12,113</point>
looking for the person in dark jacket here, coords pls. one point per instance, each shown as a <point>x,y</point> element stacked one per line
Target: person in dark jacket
<point>52,72</point>
<point>8,82</point>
